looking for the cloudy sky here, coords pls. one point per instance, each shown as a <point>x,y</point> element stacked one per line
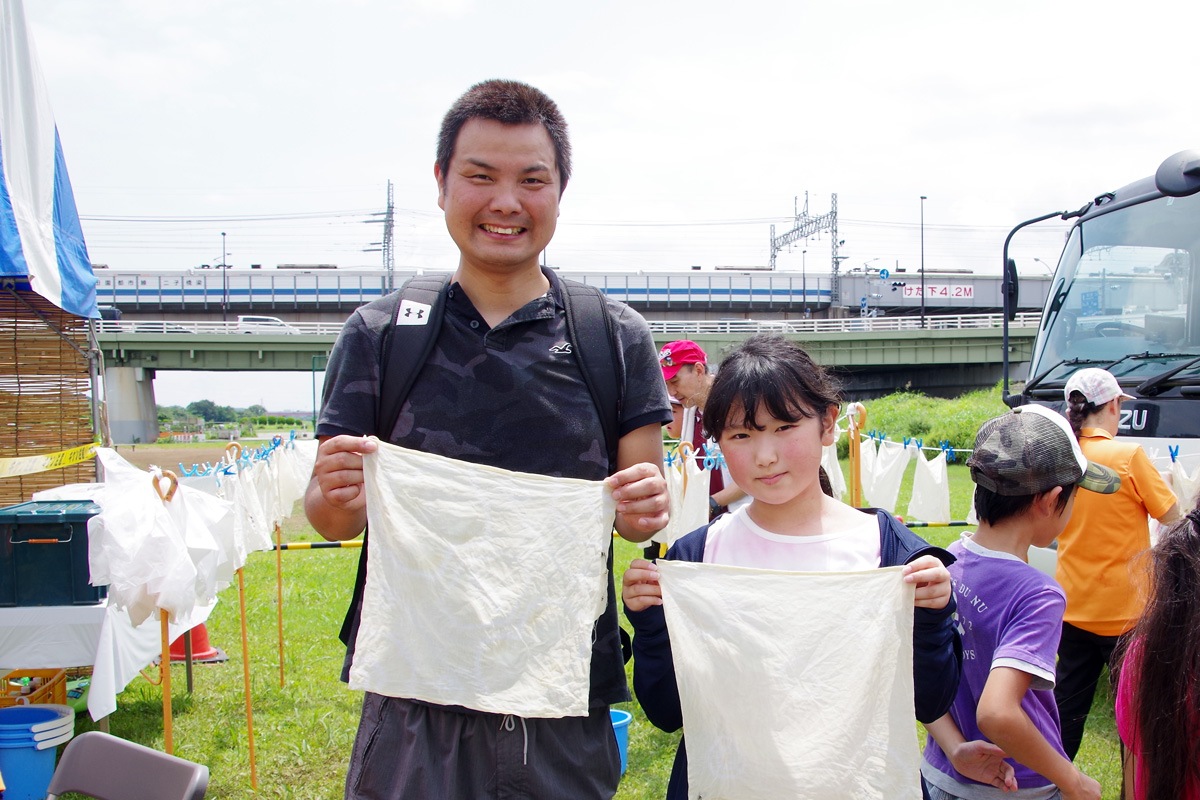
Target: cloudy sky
<point>694,125</point>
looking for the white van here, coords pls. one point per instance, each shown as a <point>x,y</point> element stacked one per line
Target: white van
<point>264,325</point>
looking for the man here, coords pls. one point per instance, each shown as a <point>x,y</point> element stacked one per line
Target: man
<point>688,377</point>
<point>501,388</point>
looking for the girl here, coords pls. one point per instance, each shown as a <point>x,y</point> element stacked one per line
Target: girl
<point>771,409</point>
<point>1158,709</point>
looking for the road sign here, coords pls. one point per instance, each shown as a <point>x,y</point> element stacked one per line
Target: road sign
<point>883,274</point>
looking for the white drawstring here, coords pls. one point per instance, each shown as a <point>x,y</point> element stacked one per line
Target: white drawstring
<point>508,725</point>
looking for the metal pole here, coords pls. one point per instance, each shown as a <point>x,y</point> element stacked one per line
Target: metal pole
<point>804,279</point>
<point>922,261</point>
<point>224,283</point>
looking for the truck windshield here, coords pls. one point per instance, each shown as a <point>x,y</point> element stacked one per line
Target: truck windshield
<point>1126,294</point>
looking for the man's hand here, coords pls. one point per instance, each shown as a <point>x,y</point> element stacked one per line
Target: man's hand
<point>932,580</point>
<point>643,505</point>
<point>339,470</point>
<point>984,762</point>
<point>639,585</point>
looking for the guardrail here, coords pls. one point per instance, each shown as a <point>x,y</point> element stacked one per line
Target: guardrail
<point>673,328</point>
<point>843,325</point>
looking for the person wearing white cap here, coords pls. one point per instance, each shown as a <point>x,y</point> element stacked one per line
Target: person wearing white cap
<point>1097,549</point>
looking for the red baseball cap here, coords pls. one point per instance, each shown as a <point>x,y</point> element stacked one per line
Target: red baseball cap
<point>676,354</point>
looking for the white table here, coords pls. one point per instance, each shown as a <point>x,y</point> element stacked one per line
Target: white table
<point>56,637</point>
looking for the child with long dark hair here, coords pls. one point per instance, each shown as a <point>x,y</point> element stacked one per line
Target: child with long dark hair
<point>1158,694</point>
<point>771,409</point>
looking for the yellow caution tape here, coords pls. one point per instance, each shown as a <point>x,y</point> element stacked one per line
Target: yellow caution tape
<point>28,465</point>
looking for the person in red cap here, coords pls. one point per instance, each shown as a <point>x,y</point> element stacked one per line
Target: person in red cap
<point>686,371</point>
<point>1097,549</point>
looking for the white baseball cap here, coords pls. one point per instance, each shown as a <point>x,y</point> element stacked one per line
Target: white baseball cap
<point>1098,386</point>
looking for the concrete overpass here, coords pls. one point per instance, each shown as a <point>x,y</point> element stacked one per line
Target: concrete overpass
<point>872,356</point>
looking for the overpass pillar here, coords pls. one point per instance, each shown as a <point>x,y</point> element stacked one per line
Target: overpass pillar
<point>129,395</point>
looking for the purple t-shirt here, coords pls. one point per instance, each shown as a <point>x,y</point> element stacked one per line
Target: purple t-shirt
<point>1010,616</point>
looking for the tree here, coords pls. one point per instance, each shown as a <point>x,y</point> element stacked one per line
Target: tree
<point>256,410</point>
<point>210,411</point>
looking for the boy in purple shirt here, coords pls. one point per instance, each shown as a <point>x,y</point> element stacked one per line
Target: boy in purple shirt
<point>1026,466</point>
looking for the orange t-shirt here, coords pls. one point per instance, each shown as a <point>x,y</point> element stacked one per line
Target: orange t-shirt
<point>1098,566</point>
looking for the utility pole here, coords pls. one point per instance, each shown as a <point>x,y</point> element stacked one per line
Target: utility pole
<point>224,282</point>
<point>389,253</point>
<point>922,261</point>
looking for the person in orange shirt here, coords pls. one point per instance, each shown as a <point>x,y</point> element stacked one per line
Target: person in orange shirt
<point>1097,549</point>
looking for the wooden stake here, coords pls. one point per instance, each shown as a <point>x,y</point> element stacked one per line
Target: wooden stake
<point>279,589</point>
<point>165,672</point>
<point>246,679</point>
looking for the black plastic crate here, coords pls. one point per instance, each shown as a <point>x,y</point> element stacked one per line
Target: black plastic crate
<point>44,554</point>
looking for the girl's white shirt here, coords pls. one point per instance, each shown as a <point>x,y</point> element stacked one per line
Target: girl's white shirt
<point>736,540</point>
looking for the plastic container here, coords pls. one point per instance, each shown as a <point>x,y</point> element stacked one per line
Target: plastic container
<point>44,554</point>
<point>620,722</point>
<point>53,687</point>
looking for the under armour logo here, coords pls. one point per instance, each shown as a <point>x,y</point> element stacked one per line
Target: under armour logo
<point>563,347</point>
<point>413,313</point>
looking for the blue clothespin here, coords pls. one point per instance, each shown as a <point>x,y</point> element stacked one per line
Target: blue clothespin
<point>188,473</point>
<point>670,459</point>
<point>1174,451</point>
<point>947,449</point>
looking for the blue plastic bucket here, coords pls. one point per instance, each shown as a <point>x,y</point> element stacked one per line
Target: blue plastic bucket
<point>26,718</point>
<point>620,722</point>
<point>29,736</point>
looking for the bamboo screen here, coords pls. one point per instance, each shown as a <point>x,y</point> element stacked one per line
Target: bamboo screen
<point>45,391</point>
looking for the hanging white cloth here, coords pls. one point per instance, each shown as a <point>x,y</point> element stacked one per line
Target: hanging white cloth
<point>889,466</point>
<point>931,489</point>
<point>867,453</point>
<point>829,461</point>
<point>687,485</point>
<point>799,705</point>
<point>462,604</point>
<point>1187,487</point>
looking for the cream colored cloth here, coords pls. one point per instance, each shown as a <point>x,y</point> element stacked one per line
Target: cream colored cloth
<point>464,604</point>
<point>794,685</point>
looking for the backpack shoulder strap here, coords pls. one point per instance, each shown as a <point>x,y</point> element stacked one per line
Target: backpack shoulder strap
<point>418,307</point>
<point>591,330</point>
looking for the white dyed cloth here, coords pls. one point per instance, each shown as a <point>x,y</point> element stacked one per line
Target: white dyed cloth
<point>463,604</point>
<point>829,461</point>
<point>807,691</point>
<point>887,470</point>
<point>931,489</point>
<point>687,485</point>
<point>1187,487</point>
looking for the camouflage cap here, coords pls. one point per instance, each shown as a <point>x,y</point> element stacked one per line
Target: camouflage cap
<point>1032,449</point>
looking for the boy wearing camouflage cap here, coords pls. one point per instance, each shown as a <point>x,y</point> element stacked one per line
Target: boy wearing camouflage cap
<point>1026,466</point>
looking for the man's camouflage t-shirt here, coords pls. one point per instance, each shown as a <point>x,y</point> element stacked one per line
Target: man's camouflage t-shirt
<point>512,397</point>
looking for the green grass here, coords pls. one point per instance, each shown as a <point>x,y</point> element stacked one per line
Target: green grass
<point>304,732</point>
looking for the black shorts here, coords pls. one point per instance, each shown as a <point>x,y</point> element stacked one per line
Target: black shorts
<point>406,749</point>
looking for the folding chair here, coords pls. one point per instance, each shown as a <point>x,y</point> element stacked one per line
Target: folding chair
<point>108,768</point>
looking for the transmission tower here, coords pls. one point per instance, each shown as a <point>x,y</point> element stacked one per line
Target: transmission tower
<point>389,252</point>
<point>805,226</point>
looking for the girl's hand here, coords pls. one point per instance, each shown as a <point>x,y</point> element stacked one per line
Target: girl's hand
<point>984,762</point>
<point>932,580</point>
<point>639,586</point>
